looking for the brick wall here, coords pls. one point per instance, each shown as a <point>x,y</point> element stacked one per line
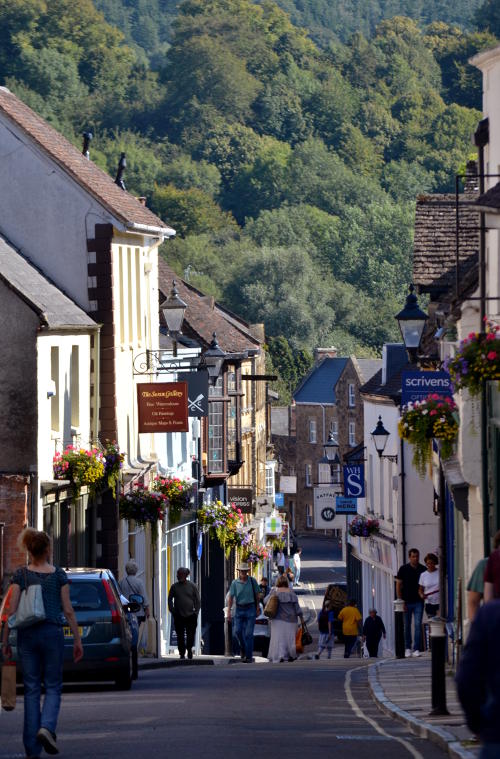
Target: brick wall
<point>13,513</point>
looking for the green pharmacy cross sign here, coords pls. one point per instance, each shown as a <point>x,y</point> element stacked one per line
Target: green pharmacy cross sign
<point>274,525</point>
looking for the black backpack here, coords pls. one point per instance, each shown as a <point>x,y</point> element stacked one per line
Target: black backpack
<point>323,621</point>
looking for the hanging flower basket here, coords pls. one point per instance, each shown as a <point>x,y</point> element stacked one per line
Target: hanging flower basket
<point>113,462</point>
<point>362,527</point>
<point>255,554</point>
<point>81,467</point>
<point>178,493</point>
<point>224,523</point>
<point>434,417</point>
<point>144,507</point>
<point>477,360</point>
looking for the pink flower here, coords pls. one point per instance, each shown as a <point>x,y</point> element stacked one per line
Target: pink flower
<point>491,355</point>
<point>471,336</point>
<point>433,412</point>
<point>491,336</point>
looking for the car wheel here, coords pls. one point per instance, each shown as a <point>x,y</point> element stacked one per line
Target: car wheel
<point>123,680</point>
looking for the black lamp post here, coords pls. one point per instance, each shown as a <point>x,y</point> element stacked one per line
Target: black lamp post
<point>173,309</point>
<point>411,322</point>
<point>213,359</point>
<point>330,450</point>
<point>380,436</point>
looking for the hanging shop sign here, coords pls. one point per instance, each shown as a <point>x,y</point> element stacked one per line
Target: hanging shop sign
<point>279,500</point>
<point>163,407</point>
<point>354,481</point>
<point>346,505</point>
<point>415,386</point>
<point>273,526</point>
<point>197,383</point>
<point>241,498</point>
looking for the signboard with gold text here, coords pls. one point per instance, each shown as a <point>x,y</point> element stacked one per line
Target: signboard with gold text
<point>163,407</point>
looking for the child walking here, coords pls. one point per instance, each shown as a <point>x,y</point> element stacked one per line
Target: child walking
<point>325,627</point>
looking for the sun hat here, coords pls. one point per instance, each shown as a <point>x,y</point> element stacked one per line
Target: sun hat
<point>243,567</point>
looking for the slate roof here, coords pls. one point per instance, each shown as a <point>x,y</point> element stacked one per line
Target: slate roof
<point>203,316</point>
<point>397,362</point>
<point>55,309</point>
<point>367,367</point>
<point>319,385</point>
<point>434,258</point>
<point>121,204</point>
<point>490,200</point>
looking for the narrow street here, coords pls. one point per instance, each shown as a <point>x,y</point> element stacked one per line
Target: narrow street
<point>306,708</point>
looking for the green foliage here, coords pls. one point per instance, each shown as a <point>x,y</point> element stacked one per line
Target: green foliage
<point>289,169</point>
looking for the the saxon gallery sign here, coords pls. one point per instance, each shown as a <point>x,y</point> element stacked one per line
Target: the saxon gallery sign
<point>163,407</point>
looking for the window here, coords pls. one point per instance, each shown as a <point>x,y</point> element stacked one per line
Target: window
<point>335,474</point>
<point>270,480</point>
<point>312,430</point>
<point>54,400</point>
<point>334,429</point>
<point>309,516</point>
<point>352,433</point>
<point>352,395</point>
<point>216,428</point>
<point>75,386</point>
<point>324,474</point>
<point>308,475</point>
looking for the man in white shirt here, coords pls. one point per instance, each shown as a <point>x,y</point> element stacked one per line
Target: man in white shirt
<point>297,564</point>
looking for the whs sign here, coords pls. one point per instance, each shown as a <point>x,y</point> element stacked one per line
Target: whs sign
<point>354,481</point>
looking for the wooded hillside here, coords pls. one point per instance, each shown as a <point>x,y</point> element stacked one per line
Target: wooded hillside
<point>288,169</point>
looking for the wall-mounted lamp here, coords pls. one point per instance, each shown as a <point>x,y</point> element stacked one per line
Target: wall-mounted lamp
<point>380,436</point>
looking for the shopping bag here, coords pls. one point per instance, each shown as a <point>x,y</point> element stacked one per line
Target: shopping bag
<point>298,641</point>
<point>364,651</point>
<point>8,693</point>
<point>306,635</point>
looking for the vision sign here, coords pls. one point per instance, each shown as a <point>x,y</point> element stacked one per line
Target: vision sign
<point>163,407</point>
<point>418,385</point>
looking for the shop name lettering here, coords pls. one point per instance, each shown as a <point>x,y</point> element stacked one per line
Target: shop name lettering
<point>424,382</point>
<point>164,394</point>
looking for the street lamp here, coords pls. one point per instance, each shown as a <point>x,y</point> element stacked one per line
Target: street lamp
<point>173,309</point>
<point>411,322</point>
<point>213,359</point>
<point>330,450</point>
<point>380,436</point>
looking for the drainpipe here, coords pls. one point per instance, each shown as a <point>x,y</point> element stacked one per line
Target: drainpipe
<point>403,499</point>
<point>481,139</point>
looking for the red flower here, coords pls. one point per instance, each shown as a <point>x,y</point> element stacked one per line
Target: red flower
<point>491,336</point>
<point>491,355</point>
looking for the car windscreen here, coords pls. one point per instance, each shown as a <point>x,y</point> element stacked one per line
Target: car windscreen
<point>88,595</point>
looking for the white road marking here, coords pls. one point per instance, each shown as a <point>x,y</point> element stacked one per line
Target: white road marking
<point>358,712</point>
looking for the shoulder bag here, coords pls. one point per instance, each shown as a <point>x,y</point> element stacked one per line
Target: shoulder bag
<point>271,608</point>
<point>306,635</point>
<point>30,609</point>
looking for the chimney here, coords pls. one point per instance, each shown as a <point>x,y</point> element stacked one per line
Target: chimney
<point>87,137</point>
<point>122,165</point>
<point>471,179</point>
<point>321,353</point>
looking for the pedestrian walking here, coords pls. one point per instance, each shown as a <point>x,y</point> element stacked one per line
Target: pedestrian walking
<point>280,561</point>
<point>284,623</point>
<point>325,628</point>
<point>428,586</point>
<point>41,645</point>
<point>184,605</point>
<point>263,588</point>
<point>244,593</point>
<point>297,565</point>
<point>132,585</point>
<point>492,572</point>
<point>478,680</point>
<point>351,624</point>
<point>373,630</point>
<point>407,588</point>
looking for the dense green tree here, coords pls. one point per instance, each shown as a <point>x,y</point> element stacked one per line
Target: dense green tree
<point>191,211</point>
<point>487,17</point>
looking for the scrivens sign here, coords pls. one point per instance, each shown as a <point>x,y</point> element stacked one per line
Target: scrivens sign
<point>418,385</point>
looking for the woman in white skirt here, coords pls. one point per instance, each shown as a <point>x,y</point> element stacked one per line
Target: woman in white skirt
<point>284,624</point>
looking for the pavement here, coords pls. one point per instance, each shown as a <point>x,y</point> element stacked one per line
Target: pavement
<point>402,689</point>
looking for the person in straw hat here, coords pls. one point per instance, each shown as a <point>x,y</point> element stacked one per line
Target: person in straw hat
<point>244,595</point>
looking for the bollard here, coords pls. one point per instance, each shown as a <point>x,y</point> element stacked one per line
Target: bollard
<point>438,657</point>
<point>399,624</point>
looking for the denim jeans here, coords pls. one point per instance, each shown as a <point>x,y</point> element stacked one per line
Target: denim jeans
<point>297,576</point>
<point>41,652</point>
<point>416,610</point>
<point>244,622</point>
